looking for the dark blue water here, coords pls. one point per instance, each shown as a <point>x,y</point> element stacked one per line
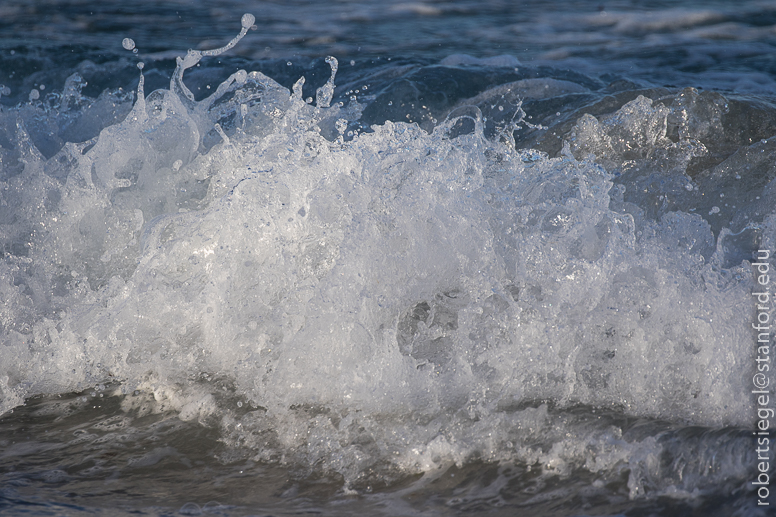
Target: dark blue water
<point>496,258</point>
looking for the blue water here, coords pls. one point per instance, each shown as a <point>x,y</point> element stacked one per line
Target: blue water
<point>493,259</point>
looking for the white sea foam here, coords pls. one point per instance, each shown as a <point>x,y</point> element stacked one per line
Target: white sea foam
<point>404,298</point>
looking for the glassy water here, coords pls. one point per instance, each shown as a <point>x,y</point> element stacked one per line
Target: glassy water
<point>386,258</point>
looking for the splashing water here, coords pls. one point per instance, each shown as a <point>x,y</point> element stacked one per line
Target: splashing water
<point>396,302</point>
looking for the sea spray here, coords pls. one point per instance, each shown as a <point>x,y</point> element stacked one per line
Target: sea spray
<point>388,304</point>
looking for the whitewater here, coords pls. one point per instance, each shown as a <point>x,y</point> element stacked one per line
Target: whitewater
<point>456,286</point>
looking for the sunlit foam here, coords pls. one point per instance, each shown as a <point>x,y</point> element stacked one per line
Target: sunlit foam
<point>402,299</point>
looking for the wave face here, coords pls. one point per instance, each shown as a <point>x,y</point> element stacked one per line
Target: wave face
<point>522,271</point>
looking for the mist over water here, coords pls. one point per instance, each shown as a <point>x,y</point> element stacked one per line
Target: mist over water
<point>329,267</point>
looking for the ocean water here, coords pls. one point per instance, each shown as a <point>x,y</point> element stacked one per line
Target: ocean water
<point>387,258</point>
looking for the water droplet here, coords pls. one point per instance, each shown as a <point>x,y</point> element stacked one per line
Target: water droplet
<point>34,94</point>
<point>140,65</point>
<point>341,125</point>
<point>128,43</point>
<point>247,20</point>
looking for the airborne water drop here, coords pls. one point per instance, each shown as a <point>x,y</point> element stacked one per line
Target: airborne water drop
<point>247,20</point>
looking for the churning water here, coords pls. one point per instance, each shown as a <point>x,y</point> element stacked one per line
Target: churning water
<point>382,258</point>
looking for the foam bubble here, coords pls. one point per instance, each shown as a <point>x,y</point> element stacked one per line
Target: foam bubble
<point>128,43</point>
